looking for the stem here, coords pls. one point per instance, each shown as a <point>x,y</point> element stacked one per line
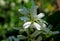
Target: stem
<point>28,34</point>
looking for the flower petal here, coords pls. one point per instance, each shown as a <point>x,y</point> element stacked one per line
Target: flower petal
<point>27,24</point>
<point>40,15</point>
<point>44,25</point>
<point>38,27</point>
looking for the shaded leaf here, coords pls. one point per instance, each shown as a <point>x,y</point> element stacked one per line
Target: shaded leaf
<point>36,33</point>
<point>24,18</point>
<point>55,32</point>
<point>21,37</point>
<point>39,38</point>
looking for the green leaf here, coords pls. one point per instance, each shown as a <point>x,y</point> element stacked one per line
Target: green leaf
<point>55,32</point>
<point>36,33</point>
<point>24,18</point>
<point>33,40</point>
<point>21,37</point>
<point>23,10</point>
<point>39,38</point>
<point>46,30</point>
<point>48,35</point>
<point>3,40</point>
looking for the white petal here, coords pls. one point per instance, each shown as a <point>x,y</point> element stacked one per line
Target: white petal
<point>44,25</point>
<point>38,27</point>
<point>27,24</point>
<point>40,15</point>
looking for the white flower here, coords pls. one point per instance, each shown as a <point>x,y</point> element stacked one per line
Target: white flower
<point>36,25</point>
<point>2,2</point>
<point>40,15</point>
